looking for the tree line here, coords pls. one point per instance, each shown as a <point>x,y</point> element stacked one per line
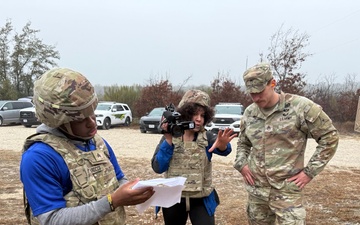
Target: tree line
<point>24,57</point>
<point>339,101</point>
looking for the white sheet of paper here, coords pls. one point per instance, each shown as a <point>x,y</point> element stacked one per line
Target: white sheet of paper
<point>167,192</point>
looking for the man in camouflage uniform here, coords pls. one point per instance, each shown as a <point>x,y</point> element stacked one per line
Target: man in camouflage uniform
<point>70,174</point>
<point>271,147</point>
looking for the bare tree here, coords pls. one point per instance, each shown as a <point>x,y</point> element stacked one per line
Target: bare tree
<point>225,90</point>
<point>339,101</point>
<point>286,55</point>
<point>324,94</point>
<point>156,94</point>
<point>348,98</point>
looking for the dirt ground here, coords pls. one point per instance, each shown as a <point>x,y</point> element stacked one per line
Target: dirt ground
<point>333,197</point>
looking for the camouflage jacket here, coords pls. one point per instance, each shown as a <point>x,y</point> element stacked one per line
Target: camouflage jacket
<point>274,145</point>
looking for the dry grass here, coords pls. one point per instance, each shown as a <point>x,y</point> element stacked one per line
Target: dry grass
<point>332,197</point>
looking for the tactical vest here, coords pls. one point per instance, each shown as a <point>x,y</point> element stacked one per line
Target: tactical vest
<point>92,175</point>
<point>190,160</point>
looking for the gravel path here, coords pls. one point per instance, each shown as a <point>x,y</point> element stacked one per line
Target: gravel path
<point>129,142</point>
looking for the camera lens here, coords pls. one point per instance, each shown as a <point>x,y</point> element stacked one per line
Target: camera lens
<point>176,131</point>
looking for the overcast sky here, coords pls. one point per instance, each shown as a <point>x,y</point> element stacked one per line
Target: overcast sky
<point>132,42</point>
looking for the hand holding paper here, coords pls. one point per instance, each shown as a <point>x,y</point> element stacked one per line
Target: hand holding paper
<point>167,192</point>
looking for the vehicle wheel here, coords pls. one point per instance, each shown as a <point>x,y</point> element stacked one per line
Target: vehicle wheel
<point>27,125</point>
<point>143,131</point>
<point>107,123</point>
<point>1,121</point>
<point>127,121</point>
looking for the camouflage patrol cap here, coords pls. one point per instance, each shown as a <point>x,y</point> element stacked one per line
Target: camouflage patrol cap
<point>62,95</point>
<point>195,96</point>
<point>257,77</point>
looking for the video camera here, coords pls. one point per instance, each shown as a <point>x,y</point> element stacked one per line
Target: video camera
<point>175,126</point>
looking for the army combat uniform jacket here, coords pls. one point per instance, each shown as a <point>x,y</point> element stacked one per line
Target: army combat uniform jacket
<point>273,146</point>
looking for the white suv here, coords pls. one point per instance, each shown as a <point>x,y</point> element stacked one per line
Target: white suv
<point>112,113</point>
<point>226,115</point>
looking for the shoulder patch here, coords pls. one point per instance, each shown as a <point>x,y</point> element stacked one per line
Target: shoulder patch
<point>312,112</point>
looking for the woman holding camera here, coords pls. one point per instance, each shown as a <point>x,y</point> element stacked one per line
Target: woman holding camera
<point>190,156</point>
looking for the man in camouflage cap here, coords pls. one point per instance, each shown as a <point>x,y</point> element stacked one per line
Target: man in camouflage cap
<point>271,148</point>
<point>190,156</point>
<point>70,174</point>
<point>256,78</point>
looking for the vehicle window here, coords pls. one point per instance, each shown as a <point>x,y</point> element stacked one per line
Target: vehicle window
<point>103,107</point>
<point>9,105</point>
<point>21,105</point>
<point>157,112</point>
<point>126,107</point>
<point>17,105</point>
<point>119,108</point>
<point>229,110</point>
<point>28,104</point>
<point>2,103</point>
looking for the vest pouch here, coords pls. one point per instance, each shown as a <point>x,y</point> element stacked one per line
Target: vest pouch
<point>89,192</point>
<point>81,176</point>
